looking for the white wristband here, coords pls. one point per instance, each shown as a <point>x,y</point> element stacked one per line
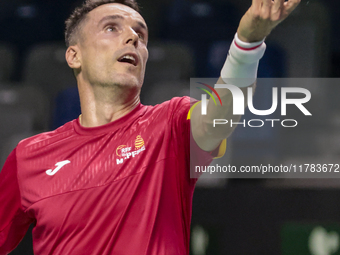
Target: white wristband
<point>247,45</point>
<point>240,68</point>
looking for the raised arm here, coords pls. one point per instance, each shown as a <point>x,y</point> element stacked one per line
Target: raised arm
<point>240,68</point>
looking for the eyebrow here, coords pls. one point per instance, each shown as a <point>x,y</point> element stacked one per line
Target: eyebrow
<point>113,17</point>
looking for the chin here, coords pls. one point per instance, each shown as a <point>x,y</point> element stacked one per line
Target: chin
<point>127,81</point>
<point>131,82</point>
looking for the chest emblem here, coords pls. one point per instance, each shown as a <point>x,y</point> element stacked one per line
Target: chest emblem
<point>125,152</point>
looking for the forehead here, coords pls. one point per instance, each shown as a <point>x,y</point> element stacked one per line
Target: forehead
<point>105,10</point>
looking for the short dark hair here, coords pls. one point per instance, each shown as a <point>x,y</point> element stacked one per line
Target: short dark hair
<point>79,14</point>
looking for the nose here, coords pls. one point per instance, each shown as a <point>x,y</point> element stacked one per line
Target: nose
<point>132,37</point>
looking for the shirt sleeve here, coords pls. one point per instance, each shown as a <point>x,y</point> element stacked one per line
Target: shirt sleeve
<point>13,220</point>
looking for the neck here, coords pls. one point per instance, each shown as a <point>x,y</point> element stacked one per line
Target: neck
<point>101,105</point>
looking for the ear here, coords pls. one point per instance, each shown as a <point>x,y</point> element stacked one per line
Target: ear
<point>73,58</point>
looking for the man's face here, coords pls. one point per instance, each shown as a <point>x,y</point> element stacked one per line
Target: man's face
<point>113,46</point>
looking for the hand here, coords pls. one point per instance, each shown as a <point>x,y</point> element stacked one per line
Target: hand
<point>262,17</point>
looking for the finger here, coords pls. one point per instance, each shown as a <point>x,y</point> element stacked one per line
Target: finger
<point>290,5</point>
<point>278,4</point>
<point>266,8</point>
<point>267,3</point>
<point>257,4</point>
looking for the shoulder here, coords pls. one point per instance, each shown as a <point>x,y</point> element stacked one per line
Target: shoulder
<point>173,102</point>
<point>172,107</point>
<point>178,102</point>
<point>46,138</point>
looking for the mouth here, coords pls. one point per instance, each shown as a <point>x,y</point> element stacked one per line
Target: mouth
<point>130,58</point>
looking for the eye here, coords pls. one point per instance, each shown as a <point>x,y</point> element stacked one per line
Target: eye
<point>111,28</point>
<point>141,36</point>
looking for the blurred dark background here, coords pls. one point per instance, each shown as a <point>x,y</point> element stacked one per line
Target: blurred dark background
<point>191,39</point>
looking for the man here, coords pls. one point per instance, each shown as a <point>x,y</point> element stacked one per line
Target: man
<point>116,180</point>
